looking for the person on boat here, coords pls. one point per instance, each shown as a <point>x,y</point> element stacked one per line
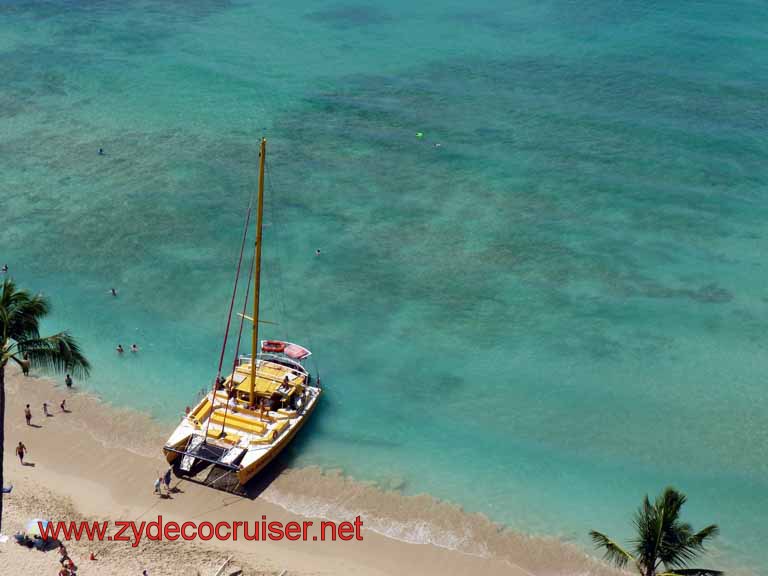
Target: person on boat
<point>134,348</point>
<point>28,415</point>
<point>119,349</point>
<point>21,451</point>
<point>232,402</point>
<point>68,381</point>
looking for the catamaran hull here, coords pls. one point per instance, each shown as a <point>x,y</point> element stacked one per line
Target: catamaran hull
<point>183,435</point>
<point>247,474</point>
<point>170,455</point>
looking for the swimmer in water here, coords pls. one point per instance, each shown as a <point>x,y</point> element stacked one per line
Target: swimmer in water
<point>4,268</point>
<point>119,349</point>
<point>101,151</point>
<point>113,291</point>
<point>317,252</point>
<point>134,348</point>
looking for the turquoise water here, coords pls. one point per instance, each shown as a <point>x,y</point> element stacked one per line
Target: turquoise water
<point>558,309</point>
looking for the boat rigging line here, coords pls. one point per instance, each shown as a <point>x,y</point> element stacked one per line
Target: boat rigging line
<point>239,337</point>
<point>232,305</point>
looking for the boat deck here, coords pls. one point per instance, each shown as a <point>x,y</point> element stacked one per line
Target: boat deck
<point>242,441</point>
<point>270,376</point>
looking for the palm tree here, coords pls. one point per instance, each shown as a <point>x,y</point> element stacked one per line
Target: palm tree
<point>663,540</point>
<point>20,341</point>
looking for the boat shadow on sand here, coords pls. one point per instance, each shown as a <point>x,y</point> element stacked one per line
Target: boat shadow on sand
<point>226,481</point>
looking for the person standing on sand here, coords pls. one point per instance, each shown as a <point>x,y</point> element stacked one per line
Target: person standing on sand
<point>157,485</point>
<point>25,364</point>
<point>63,405</point>
<point>45,408</point>
<point>167,480</point>
<point>68,381</point>
<point>28,415</point>
<point>21,450</point>
<point>64,557</point>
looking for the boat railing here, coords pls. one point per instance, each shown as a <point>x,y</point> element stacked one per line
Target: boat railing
<point>281,358</point>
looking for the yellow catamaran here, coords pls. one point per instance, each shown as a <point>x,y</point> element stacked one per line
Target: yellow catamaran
<point>250,416</point>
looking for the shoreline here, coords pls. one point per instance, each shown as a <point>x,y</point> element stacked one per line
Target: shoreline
<point>100,461</point>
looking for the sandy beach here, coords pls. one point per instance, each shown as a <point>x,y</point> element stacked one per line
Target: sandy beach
<point>98,462</point>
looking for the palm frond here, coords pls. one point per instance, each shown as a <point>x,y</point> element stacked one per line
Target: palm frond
<point>7,292</point>
<point>612,552</point>
<point>705,534</point>
<point>661,535</point>
<point>671,501</point>
<point>689,546</point>
<point>57,353</point>
<point>25,317</point>
<point>674,551</point>
<point>3,327</point>
<point>648,524</point>
<point>22,312</point>
<point>692,572</point>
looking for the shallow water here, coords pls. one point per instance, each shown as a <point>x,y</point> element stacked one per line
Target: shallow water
<point>557,310</point>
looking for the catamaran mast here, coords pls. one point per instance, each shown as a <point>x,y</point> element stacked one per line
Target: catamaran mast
<point>257,273</point>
